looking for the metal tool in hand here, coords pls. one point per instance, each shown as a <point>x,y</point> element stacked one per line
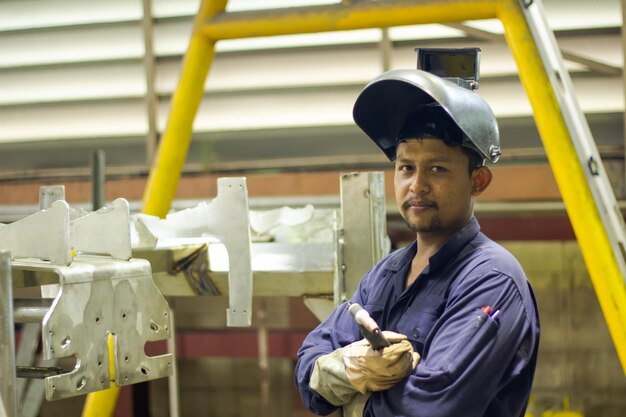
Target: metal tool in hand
<point>369,328</point>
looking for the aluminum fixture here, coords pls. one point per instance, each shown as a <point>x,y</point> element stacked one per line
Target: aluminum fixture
<point>361,238</point>
<point>586,213</point>
<point>96,291</point>
<point>8,399</point>
<point>226,217</point>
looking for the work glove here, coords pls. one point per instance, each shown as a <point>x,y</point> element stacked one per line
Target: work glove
<point>391,364</point>
<point>329,380</point>
<point>377,370</point>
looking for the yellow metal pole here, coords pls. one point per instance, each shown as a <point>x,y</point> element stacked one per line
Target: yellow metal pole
<point>357,15</point>
<point>168,165</point>
<point>102,403</point>
<point>575,191</point>
<point>212,24</point>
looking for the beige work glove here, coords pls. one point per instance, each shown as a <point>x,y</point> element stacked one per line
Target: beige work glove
<point>329,380</point>
<point>370,370</point>
<point>329,376</point>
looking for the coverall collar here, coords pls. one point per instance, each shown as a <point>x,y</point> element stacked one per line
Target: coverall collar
<point>452,247</point>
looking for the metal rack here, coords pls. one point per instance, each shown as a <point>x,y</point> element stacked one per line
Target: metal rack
<point>91,286</point>
<point>89,289</point>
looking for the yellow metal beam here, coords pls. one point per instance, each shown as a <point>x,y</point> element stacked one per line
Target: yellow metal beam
<point>212,24</point>
<point>102,403</point>
<point>357,15</point>
<point>568,172</point>
<point>168,165</point>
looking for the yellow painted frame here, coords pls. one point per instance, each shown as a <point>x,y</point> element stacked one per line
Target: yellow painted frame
<point>213,24</point>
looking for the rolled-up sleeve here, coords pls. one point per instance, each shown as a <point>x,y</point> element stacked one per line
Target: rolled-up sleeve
<point>469,355</point>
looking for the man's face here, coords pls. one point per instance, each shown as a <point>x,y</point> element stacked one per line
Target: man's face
<point>433,187</point>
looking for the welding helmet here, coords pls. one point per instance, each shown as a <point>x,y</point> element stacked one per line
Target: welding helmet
<point>404,104</point>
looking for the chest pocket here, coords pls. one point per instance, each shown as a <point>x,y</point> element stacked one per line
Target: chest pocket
<point>416,324</point>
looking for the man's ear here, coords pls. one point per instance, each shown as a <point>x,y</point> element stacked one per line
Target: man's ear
<point>481,178</point>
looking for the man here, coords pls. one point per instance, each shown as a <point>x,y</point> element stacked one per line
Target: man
<point>453,298</point>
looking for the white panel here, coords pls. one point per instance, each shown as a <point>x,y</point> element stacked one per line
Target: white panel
<point>259,110</point>
<point>169,8</point>
<point>569,15</point>
<point>101,65</point>
<point>71,45</point>
<point>29,14</point>
<point>275,110</point>
<point>423,32</point>
<point>101,81</point>
<point>315,39</point>
<point>178,8</point>
<point>600,95</point>
<point>279,70</point>
<point>318,108</point>
<point>580,14</point>
<point>239,5</point>
<point>602,48</point>
<point>321,67</point>
<point>172,38</point>
<point>73,121</point>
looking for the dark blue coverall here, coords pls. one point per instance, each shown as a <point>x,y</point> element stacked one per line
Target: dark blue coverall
<point>473,363</point>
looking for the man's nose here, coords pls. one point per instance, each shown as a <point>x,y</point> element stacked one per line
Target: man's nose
<point>419,183</point>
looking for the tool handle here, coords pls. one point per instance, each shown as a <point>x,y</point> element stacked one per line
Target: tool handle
<point>368,327</point>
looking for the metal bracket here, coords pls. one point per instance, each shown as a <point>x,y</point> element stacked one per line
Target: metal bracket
<point>226,218</point>
<point>8,398</point>
<point>105,231</point>
<point>43,235</point>
<point>99,296</point>
<point>361,237</point>
<point>49,194</point>
<point>231,225</point>
<point>339,277</point>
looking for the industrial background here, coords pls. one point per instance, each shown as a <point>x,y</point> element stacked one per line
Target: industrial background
<point>82,82</point>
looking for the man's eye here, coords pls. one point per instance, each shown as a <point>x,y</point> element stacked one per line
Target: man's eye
<point>437,168</point>
<point>406,168</point>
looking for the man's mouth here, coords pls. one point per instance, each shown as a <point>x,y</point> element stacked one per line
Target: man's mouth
<point>418,204</point>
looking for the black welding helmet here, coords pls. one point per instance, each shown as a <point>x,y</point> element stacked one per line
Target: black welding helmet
<point>403,104</point>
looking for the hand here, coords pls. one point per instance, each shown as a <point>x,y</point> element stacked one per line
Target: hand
<point>371,370</point>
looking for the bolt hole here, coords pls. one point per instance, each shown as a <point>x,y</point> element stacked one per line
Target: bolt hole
<point>153,326</point>
<point>81,384</point>
<point>125,379</point>
<point>97,319</point>
<point>124,316</point>
<point>65,342</point>
<point>145,371</point>
<point>125,358</point>
<point>99,364</point>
